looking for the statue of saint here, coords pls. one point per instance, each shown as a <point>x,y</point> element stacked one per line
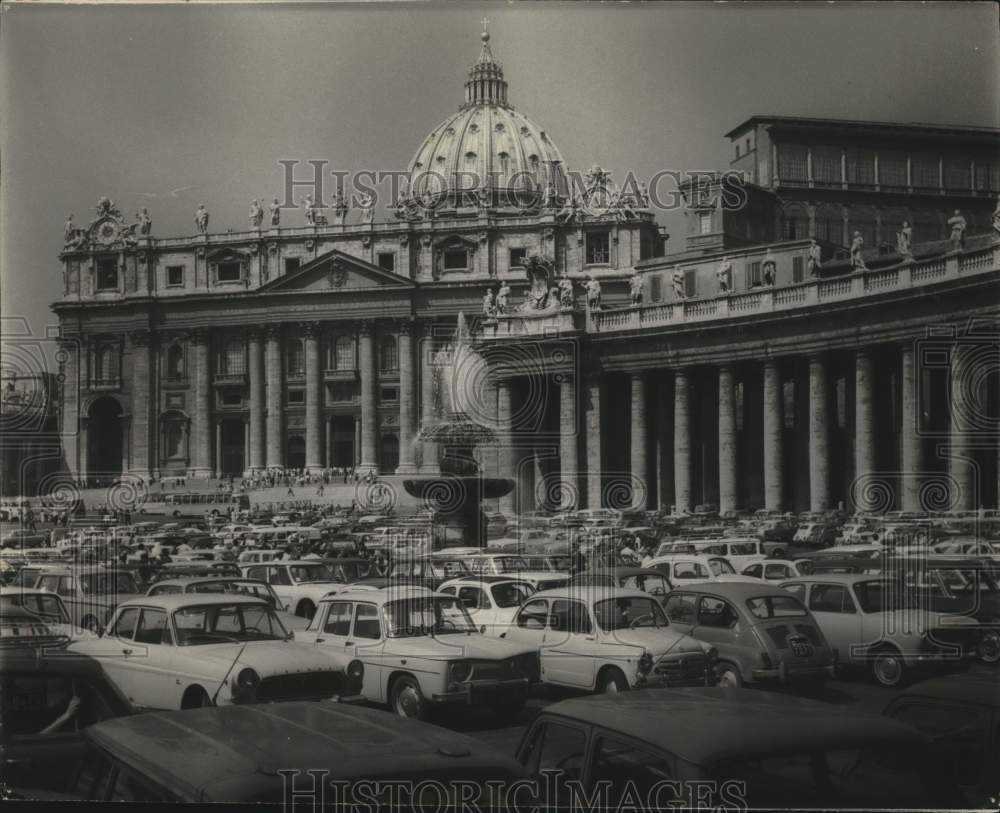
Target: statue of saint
<point>815,258</point>
<point>145,222</point>
<point>484,197</point>
<point>677,281</point>
<point>367,206</point>
<point>503,295</point>
<point>635,288</point>
<point>642,199</point>
<point>593,294</point>
<point>996,218</point>
<point>340,207</point>
<point>69,230</point>
<point>565,292</point>
<point>310,208</point>
<point>275,213</point>
<point>769,268</point>
<point>201,218</point>
<point>568,213</point>
<point>256,214</point>
<point>489,304</point>
<point>857,245</point>
<point>903,240</point>
<point>957,225</point>
<point>725,276</point>
<point>402,207</point>
<point>549,196</point>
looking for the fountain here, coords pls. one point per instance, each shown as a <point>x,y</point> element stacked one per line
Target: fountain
<point>456,495</point>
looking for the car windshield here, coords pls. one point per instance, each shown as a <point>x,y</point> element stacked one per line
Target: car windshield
<point>222,623</point>
<point>430,615</point>
<point>108,584</point>
<point>967,579</point>
<point>510,594</point>
<point>871,596</point>
<point>775,607</point>
<point>720,567</point>
<point>309,573</point>
<point>48,607</point>
<point>629,613</point>
<point>509,564</point>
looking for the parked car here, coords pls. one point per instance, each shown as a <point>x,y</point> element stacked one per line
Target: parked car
<point>815,534</point>
<point>762,633</point>
<point>415,649</point>
<point>860,617</point>
<point>680,568</point>
<point>961,713</point>
<point>90,593</point>
<point>299,584</point>
<point>507,564</point>
<point>777,570</point>
<point>561,564</point>
<point>247,587</point>
<point>187,650</point>
<point>609,639</point>
<point>492,601</point>
<point>431,572</point>
<point>649,580</point>
<point>724,748</point>
<point>201,756</point>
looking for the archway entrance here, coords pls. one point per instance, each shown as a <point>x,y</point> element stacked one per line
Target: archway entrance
<point>296,455</point>
<point>342,447</point>
<point>104,439</point>
<point>233,448</point>
<point>389,459</point>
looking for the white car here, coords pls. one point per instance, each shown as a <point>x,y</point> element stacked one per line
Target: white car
<point>413,649</point>
<point>230,585</point>
<point>609,639</point>
<point>511,565</point>
<point>48,607</point>
<point>254,556</point>
<point>185,651</point>
<point>492,601</point>
<point>778,570</point>
<point>859,617</point>
<point>299,583</point>
<point>681,568</point>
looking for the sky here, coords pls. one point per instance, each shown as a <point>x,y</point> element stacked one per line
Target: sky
<point>170,106</point>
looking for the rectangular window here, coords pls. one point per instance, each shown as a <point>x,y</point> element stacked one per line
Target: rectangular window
<point>892,170</point>
<point>705,223</point>
<point>737,150</point>
<point>517,256</point>
<point>690,284</point>
<point>230,398</point>
<point>292,264</point>
<point>456,259</point>
<point>754,277</point>
<point>366,622</point>
<point>861,167</point>
<point>655,288</point>
<point>107,274</point>
<point>175,275</point>
<point>826,165</point>
<point>598,251</point>
<point>389,394</point>
<point>792,163</point>
<point>798,273</point>
<point>296,397</point>
<point>957,174</point>
<point>341,392</point>
<point>229,272</point>
<point>924,169</point>
<point>387,260</point>
<point>987,175</point>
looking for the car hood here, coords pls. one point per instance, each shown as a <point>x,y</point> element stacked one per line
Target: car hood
<point>660,641</point>
<point>449,647</point>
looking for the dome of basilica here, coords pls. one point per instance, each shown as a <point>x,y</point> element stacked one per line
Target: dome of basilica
<point>486,144</point>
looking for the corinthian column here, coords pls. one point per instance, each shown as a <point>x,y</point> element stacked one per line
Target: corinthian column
<point>639,469</point>
<point>864,420</point>
<point>314,396</point>
<point>727,441</point>
<point>275,389</point>
<point>960,463</point>
<point>201,438</point>
<point>429,451</point>
<point>506,440</point>
<point>593,442</point>
<point>142,424</point>
<point>819,462</point>
<point>910,452</point>
<point>569,465</point>
<point>773,427</point>
<point>682,443</point>
<point>407,402</point>
<point>256,460</point>
<point>369,415</point>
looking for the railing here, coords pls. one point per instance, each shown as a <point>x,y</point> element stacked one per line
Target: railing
<point>856,285</point>
<point>230,378</point>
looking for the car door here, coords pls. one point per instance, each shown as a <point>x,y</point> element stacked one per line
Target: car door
<point>529,627</point>
<point>681,609</point>
<point>477,602</point>
<point>117,648</point>
<point>334,632</point>
<point>278,578</point>
<point>571,647</point>
<point>366,643</point>
<point>150,680</point>
<point>717,622</point>
<point>837,616</point>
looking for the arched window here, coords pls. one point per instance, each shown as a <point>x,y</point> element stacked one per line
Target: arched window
<point>175,361</point>
<point>105,364</point>
<point>344,353</point>
<point>504,162</point>
<point>173,439</point>
<point>296,362</point>
<point>233,359</point>
<point>388,357</point>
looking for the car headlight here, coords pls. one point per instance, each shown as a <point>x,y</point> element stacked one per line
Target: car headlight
<point>645,663</point>
<point>245,686</point>
<point>459,671</point>
<point>713,655</point>
<point>355,676</point>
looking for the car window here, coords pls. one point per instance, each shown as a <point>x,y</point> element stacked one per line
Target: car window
<point>690,570</point>
<point>165,589</point>
<point>627,768</point>
<point>753,570</point>
<point>153,628</point>
<point>743,549</point>
<point>473,598</point>
<point>557,747</point>
<point>680,608</point>
<point>338,621</point>
<point>654,585</point>
<point>67,587</point>
<point>511,594</point>
<point>570,616</point>
<point>534,615</point>
<point>125,625</point>
<point>720,567</point>
<point>775,607</point>
<point>33,702</point>
<point>797,590</point>
<point>257,573</point>
<point>961,732</point>
<point>830,598</point>
<point>366,623</point>
<point>715,612</point>
<point>775,572</point>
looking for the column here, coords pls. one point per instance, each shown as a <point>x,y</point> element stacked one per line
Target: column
<point>682,443</point>
<point>910,452</point>
<point>143,428</point>
<point>569,473</point>
<point>506,438</point>
<point>774,424</point>
<point>72,422</point>
<point>407,403</point>
<point>218,448</point>
<point>819,463</point>
<point>864,422</point>
<point>246,443</point>
<point>258,432</point>
<point>960,463</point>
<point>369,414</point>
<point>314,398</point>
<point>637,454</point>
<point>275,409</point>
<point>727,441</point>
<point>429,451</point>
<point>593,441</point>
<point>201,438</point>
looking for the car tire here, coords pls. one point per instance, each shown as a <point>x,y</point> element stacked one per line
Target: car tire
<point>306,609</point>
<point>407,700</point>
<point>195,698</point>
<point>91,624</point>
<point>887,667</point>
<point>611,681</point>
<point>729,676</point>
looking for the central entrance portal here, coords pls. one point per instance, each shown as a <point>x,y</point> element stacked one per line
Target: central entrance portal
<point>342,444</point>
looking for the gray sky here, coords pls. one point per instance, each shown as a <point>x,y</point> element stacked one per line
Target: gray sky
<point>120,101</point>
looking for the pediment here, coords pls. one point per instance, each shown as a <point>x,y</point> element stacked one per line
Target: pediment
<point>337,271</point>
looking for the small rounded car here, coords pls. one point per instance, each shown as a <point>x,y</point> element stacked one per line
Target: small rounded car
<point>299,584</point>
<point>415,649</point>
<point>492,601</point>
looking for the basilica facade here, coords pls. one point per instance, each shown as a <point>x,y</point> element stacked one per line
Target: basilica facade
<point>615,373</point>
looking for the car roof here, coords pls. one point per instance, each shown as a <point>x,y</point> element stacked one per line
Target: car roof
<point>184,581</point>
<point>231,753</point>
<point>839,578</point>
<point>712,724</point>
<point>593,592</point>
<point>174,601</point>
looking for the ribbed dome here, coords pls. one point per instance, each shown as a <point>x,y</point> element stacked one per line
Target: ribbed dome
<point>485,141</point>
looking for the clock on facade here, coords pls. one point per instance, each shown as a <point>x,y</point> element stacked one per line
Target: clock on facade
<point>107,233</point>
